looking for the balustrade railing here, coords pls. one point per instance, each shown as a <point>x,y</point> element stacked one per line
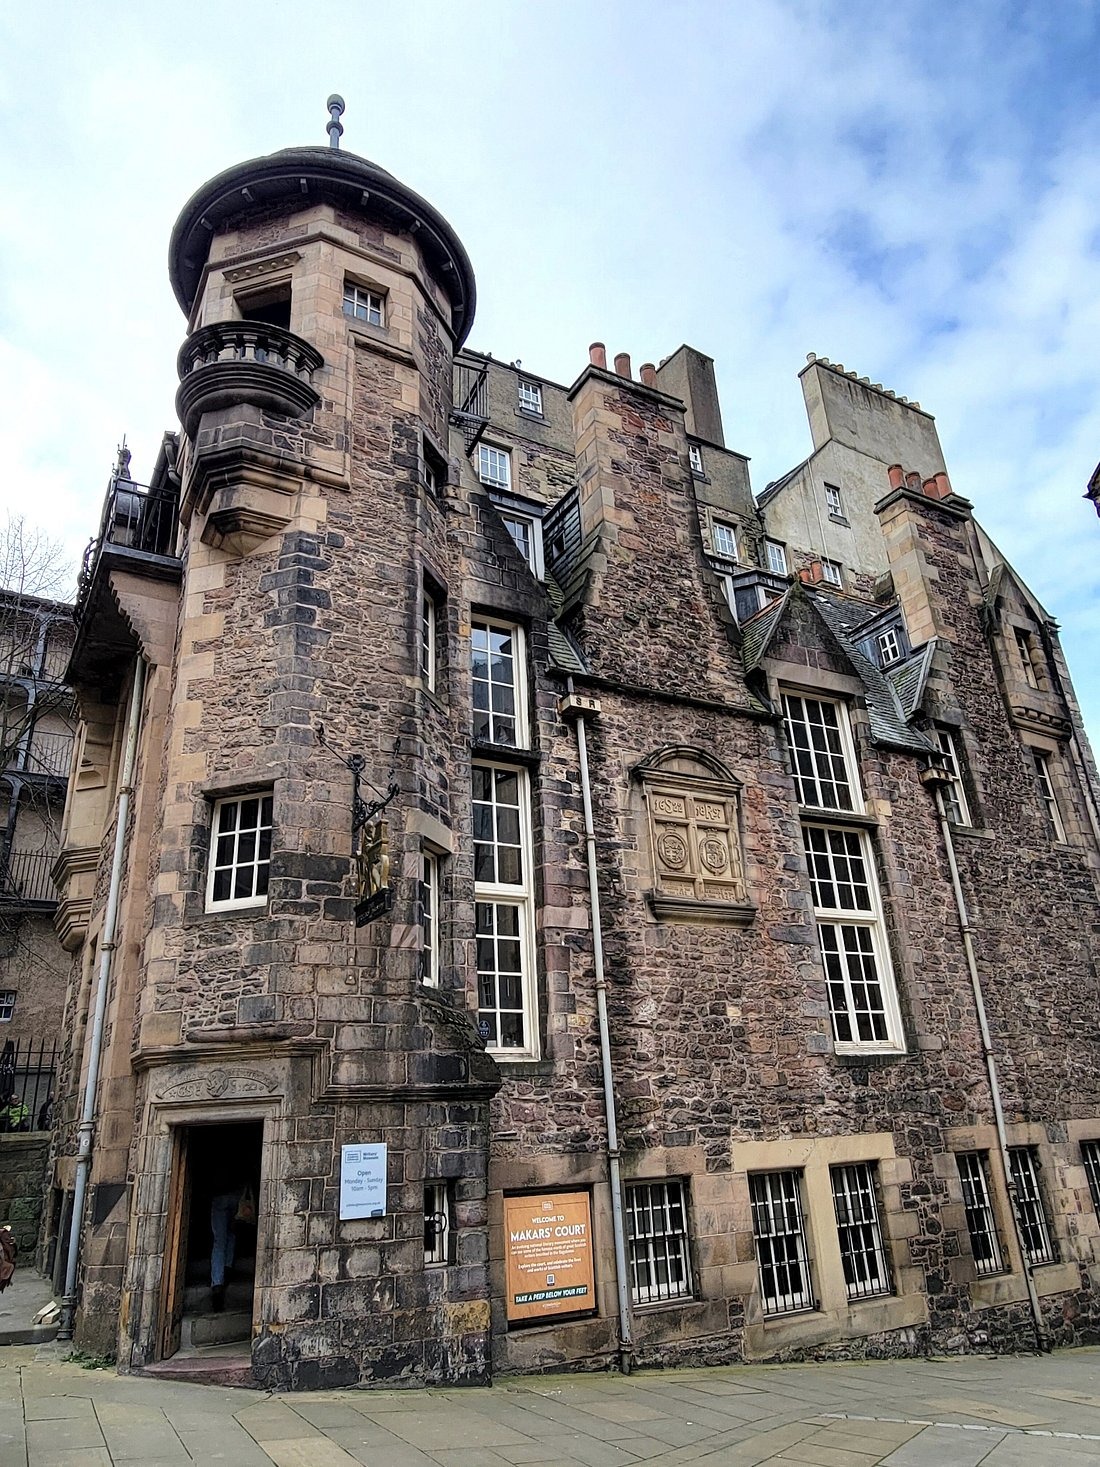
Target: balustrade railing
<point>49,753</point>
<point>249,341</point>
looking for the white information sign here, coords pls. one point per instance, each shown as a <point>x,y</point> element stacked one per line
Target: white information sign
<point>363,1181</point>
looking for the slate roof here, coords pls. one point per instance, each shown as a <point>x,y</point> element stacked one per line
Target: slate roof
<point>757,632</point>
<point>908,679</point>
<point>888,721</point>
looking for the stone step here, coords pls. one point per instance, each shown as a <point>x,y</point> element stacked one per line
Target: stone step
<point>215,1329</point>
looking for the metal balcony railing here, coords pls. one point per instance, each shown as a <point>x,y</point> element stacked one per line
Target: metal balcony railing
<point>137,521</point>
<point>49,753</point>
<point>471,403</point>
<point>25,878</point>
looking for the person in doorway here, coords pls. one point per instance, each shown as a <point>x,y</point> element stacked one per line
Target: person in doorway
<point>8,1249</point>
<point>233,1202</point>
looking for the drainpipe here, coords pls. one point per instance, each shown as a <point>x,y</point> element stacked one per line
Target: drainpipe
<point>571,704</point>
<point>86,1130</point>
<point>934,778</point>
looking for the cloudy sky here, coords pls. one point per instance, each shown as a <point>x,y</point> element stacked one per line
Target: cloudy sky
<point>911,190</point>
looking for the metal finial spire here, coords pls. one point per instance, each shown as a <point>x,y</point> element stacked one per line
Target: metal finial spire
<point>334,128</point>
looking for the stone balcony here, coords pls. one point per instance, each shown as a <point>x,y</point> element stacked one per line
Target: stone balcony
<point>245,362</point>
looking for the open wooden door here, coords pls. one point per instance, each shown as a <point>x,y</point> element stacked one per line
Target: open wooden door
<point>174,1271</point>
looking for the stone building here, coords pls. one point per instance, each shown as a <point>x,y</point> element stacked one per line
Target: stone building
<point>595,916</point>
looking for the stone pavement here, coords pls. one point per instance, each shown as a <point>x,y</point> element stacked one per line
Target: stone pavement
<point>1018,1411</point>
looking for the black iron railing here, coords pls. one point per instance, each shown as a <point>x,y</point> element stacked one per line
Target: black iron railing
<point>471,403</point>
<point>135,518</point>
<point>28,1069</point>
<point>25,877</point>
<point>49,753</point>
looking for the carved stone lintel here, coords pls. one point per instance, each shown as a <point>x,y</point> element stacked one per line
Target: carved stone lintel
<point>219,1084</point>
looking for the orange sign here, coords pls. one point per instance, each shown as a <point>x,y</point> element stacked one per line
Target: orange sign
<point>548,1254</point>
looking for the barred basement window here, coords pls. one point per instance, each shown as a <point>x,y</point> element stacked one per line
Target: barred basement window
<point>240,861</point>
<point>855,1202</point>
<point>363,304</point>
<point>780,1234</point>
<point>820,745</point>
<point>981,1224</point>
<point>503,910</point>
<point>437,1225</point>
<point>858,976</point>
<point>499,683</point>
<point>1034,1228</point>
<point>657,1240</point>
<point>1090,1155</point>
<point>954,795</point>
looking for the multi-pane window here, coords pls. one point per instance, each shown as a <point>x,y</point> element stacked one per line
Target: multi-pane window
<point>7,1005</point>
<point>777,557</point>
<point>817,735</point>
<point>1046,793</point>
<point>859,1230</point>
<point>1034,1229</point>
<point>779,1230</point>
<point>954,795</point>
<point>502,909</point>
<point>363,304</point>
<point>889,646</point>
<point>1029,660</point>
<point>526,531</point>
<point>832,501</point>
<point>530,396</point>
<point>858,978</point>
<point>427,640</point>
<point>240,859</point>
<point>695,458</point>
<point>429,918</point>
<point>724,539</point>
<point>981,1224</point>
<point>437,1224</point>
<point>658,1242</point>
<point>496,662</point>
<point>1090,1155</point>
<point>494,466</point>
<point>832,571</point>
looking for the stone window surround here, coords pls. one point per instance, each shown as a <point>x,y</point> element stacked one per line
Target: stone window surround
<point>686,1294</point>
<point>1053,803</point>
<point>219,906</point>
<point>376,299</point>
<point>834,1313</point>
<point>1061,1171</point>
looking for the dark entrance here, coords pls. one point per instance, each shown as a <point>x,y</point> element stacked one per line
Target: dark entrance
<point>210,1253</point>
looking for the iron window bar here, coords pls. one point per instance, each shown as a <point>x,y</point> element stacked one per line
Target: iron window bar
<point>1034,1228</point>
<point>1090,1155</point>
<point>779,1231</point>
<point>660,1269</point>
<point>859,1229</point>
<point>981,1224</point>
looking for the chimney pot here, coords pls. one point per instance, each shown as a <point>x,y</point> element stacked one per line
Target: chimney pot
<point>597,355</point>
<point>931,489</point>
<point>943,484</point>
<point>912,480</point>
<point>622,364</point>
<point>648,373</point>
<point>897,476</point>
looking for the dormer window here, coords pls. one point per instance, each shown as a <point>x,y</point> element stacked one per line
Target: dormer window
<point>362,304</point>
<point>889,647</point>
<point>530,397</point>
